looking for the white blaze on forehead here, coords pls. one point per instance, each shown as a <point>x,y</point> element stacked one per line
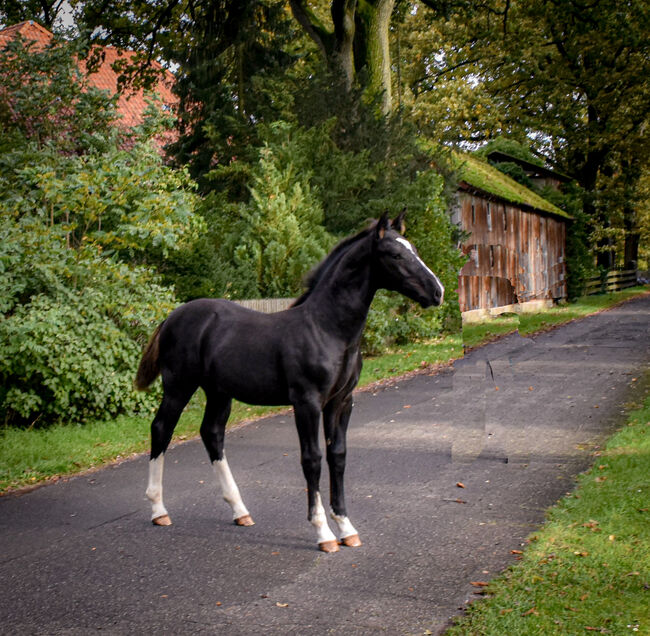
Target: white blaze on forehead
<point>411,249</point>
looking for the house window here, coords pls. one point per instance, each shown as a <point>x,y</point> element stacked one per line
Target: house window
<point>505,219</point>
<point>489,218</point>
<point>491,255</point>
<point>473,214</point>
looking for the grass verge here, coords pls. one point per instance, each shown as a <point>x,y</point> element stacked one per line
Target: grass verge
<point>29,457</point>
<point>588,568</point>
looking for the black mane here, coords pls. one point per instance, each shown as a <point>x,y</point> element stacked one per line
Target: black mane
<point>313,278</point>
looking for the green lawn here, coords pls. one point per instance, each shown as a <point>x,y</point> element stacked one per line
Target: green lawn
<point>588,568</point>
<point>31,456</point>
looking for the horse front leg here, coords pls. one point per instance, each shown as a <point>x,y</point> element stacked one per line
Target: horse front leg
<point>336,417</point>
<point>307,414</point>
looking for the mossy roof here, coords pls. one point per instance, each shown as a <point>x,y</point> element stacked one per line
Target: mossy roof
<point>480,175</point>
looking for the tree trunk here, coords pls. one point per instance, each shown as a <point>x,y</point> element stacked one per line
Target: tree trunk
<point>375,50</point>
<point>344,34</point>
<point>359,42</point>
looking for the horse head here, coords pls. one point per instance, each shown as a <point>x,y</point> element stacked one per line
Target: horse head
<point>398,266</point>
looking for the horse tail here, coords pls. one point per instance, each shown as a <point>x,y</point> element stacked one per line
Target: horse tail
<point>149,367</point>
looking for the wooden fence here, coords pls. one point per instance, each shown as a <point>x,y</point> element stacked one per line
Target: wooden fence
<point>267,305</point>
<point>615,281</point>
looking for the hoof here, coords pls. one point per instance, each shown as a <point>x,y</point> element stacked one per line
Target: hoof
<point>328,546</point>
<point>163,520</point>
<point>246,520</point>
<point>352,541</point>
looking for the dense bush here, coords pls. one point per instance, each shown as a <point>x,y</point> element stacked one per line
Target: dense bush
<point>84,207</point>
<point>394,319</point>
<point>95,232</point>
<point>72,327</point>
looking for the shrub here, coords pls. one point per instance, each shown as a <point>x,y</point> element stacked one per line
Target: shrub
<point>394,319</point>
<point>72,329</point>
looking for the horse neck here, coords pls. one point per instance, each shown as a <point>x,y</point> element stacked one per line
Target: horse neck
<point>341,299</point>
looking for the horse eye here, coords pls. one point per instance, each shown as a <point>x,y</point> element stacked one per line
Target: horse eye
<point>398,257</point>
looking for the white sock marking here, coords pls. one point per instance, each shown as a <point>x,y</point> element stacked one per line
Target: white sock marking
<point>411,249</point>
<point>154,487</point>
<point>319,521</point>
<point>229,488</point>
<point>346,529</point>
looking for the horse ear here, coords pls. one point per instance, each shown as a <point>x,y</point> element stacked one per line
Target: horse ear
<point>398,223</point>
<point>383,225</point>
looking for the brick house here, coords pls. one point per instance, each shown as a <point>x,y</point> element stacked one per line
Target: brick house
<point>131,104</point>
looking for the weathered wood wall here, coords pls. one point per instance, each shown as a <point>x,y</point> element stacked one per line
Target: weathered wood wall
<point>516,255</point>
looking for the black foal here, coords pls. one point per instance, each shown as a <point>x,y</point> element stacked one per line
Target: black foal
<point>307,356</point>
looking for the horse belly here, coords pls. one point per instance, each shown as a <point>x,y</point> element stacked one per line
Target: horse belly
<point>251,377</point>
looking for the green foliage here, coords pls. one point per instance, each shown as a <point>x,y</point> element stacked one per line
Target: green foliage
<point>272,240</point>
<point>82,208</point>
<point>72,328</point>
<point>394,319</point>
<point>514,171</point>
<point>45,99</point>
<point>120,201</point>
<point>510,147</point>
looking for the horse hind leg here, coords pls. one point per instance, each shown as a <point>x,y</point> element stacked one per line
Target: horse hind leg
<point>213,429</point>
<point>162,429</point>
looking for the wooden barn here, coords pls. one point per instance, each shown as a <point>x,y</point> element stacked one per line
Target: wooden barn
<point>515,241</point>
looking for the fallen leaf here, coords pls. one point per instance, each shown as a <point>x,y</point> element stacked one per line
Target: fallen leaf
<point>406,406</point>
<point>506,611</point>
<point>282,604</point>
<point>218,603</point>
<point>274,553</point>
<point>478,583</point>
<point>516,552</point>
<point>584,597</point>
<point>582,554</point>
<point>530,388</point>
<point>532,610</point>
<point>460,484</point>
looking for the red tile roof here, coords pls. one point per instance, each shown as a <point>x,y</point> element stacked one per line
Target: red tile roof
<point>131,104</point>
<point>29,30</point>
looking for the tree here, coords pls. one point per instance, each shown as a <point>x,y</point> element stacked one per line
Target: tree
<point>356,41</point>
<point>82,207</point>
<point>568,74</point>
<point>225,55</point>
<point>45,12</point>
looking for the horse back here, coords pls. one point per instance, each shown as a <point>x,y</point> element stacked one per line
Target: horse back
<point>254,357</point>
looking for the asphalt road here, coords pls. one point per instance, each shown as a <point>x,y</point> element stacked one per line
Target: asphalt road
<point>81,555</point>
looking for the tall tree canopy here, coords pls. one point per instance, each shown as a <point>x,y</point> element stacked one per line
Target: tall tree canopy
<point>569,75</point>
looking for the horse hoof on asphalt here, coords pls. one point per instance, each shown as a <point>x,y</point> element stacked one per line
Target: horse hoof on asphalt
<point>246,520</point>
<point>352,541</point>
<point>328,546</point>
<point>164,520</point>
